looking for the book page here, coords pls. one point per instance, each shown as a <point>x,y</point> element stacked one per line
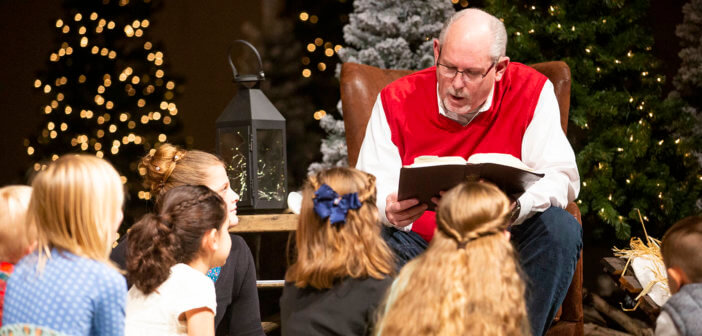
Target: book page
<point>433,160</point>
<point>429,175</point>
<point>499,158</point>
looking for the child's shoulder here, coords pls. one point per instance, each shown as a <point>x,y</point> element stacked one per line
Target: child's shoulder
<point>182,273</point>
<point>687,294</point>
<point>189,284</point>
<point>99,271</point>
<point>370,285</point>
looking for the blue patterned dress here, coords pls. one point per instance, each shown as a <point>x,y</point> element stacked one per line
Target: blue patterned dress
<point>71,294</point>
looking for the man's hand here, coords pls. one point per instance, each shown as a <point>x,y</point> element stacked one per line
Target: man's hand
<point>403,213</point>
<point>436,200</point>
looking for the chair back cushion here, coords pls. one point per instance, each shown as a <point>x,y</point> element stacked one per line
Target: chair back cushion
<point>360,85</point>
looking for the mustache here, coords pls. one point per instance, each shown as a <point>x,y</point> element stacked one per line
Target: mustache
<point>455,93</point>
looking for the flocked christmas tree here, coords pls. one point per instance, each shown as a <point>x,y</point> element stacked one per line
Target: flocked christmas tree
<point>106,88</point>
<point>389,35</point>
<point>634,149</point>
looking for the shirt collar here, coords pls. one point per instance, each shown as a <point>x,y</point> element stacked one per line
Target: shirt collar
<point>464,119</point>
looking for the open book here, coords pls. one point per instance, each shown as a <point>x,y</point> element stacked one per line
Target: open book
<point>429,175</point>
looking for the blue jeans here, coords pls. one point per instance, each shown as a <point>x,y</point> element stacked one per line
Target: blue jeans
<point>548,246</point>
<point>404,245</point>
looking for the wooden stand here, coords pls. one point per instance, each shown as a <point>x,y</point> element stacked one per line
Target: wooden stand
<point>258,224</point>
<point>614,266</point>
<point>266,223</point>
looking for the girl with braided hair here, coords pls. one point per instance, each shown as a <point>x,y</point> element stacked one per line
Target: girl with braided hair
<point>343,265</point>
<point>169,254</point>
<point>468,281</point>
<point>169,166</point>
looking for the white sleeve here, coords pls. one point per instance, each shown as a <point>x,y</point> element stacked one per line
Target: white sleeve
<point>379,156</point>
<point>197,291</point>
<point>546,149</point>
<point>665,325</point>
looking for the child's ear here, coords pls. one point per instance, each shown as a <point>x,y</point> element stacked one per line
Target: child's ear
<point>676,279</point>
<point>30,247</point>
<point>210,241</point>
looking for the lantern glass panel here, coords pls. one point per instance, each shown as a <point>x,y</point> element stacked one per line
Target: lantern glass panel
<point>271,165</point>
<point>234,149</point>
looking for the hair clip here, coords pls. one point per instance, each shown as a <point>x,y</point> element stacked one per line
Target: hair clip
<point>328,204</point>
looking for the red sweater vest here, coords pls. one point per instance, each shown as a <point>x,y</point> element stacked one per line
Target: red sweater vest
<point>417,128</point>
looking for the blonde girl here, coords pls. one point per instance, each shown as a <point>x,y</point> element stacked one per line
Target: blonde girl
<point>15,240</point>
<point>169,166</point>
<point>343,265</point>
<point>168,256</point>
<point>467,282</point>
<point>68,284</point>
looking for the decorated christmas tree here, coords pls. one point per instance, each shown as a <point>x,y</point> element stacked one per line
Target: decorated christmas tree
<point>688,81</point>
<point>106,91</point>
<point>385,34</point>
<point>634,149</point>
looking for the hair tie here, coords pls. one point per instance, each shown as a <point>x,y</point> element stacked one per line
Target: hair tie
<point>328,204</point>
<point>463,244</point>
<point>163,220</point>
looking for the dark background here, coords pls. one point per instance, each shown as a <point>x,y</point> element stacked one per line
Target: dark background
<point>196,36</point>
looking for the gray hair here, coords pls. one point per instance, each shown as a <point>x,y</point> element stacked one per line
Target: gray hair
<point>499,41</point>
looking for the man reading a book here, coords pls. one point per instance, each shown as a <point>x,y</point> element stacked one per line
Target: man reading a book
<point>474,100</point>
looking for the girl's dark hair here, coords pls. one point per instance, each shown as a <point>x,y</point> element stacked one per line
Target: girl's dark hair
<point>172,235</point>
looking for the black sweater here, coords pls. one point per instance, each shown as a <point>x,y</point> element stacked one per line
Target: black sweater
<point>348,308</point>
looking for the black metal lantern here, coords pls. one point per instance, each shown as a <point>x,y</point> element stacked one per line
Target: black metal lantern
<point>251,140</point>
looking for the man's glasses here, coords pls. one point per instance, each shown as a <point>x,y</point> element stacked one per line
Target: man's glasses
<point>467,76</point>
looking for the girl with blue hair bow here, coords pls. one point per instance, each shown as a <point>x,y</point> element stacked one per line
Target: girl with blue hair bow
<point>343,265</point>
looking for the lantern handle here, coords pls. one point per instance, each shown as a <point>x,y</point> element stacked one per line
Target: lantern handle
<point>246,78</point>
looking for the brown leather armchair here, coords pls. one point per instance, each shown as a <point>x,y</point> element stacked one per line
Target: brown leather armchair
<point>360,85</point>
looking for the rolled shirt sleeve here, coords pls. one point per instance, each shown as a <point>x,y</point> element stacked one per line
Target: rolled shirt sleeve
<point>379,156</point>
<point>546,149</point>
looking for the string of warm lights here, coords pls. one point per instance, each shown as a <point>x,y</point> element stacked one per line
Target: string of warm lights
<point>631,151</point>
<point>314,48</point>
<point>113,79</point>
<point>462,3</point>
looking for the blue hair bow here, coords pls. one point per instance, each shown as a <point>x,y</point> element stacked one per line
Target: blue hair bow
<point>328,204</point>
